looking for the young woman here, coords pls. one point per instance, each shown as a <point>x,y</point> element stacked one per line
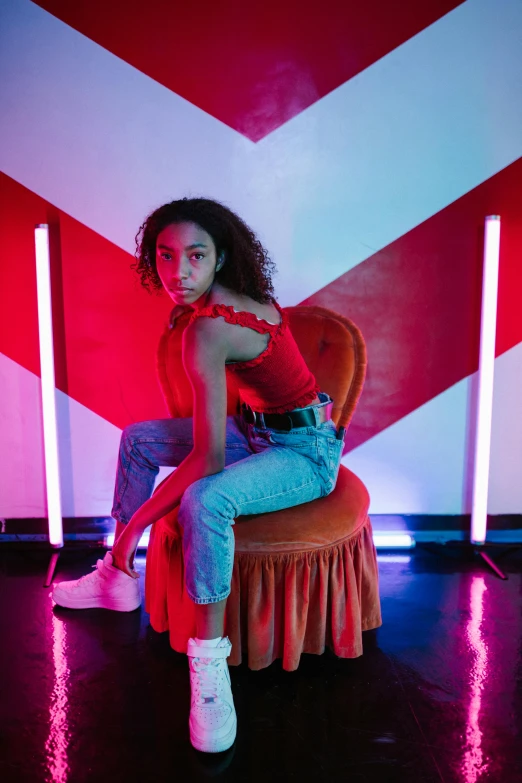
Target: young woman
<point>282,449</point>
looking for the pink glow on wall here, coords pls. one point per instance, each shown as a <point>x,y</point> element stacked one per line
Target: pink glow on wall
<point>58,740</point>
<point>474,764</point>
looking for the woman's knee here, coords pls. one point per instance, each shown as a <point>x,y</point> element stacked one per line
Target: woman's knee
<point>201,498</point>
<point>134,444</point>
<point>132,433</point>
<point>191,502</point>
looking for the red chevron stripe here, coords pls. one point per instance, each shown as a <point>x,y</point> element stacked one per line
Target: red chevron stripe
<point>251,65</point>
<point>21,211</point>
<point>106,325</point>
<point>417,302</point>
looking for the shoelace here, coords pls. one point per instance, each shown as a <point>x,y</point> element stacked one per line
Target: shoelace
<point>208,671</point>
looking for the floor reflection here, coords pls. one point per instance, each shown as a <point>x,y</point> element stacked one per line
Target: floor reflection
<point>474,764</point>
<point>100,697</point>
<point>58,740</point>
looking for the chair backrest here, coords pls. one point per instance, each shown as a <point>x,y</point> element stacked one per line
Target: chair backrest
<point>332,346</point>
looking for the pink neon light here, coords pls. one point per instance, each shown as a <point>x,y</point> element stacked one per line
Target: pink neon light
<point>45,331</point>
<point>473,764</point>
<point>58,740</point>
<point>488,327</point>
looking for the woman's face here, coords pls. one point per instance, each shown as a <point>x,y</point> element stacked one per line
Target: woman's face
<point>186,261</point>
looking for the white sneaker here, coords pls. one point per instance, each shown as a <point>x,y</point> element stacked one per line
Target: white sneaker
<point>212,714</point>
<point>105,588</point>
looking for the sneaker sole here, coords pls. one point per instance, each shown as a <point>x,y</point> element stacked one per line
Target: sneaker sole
<point>217,745</point>
<point>93,603</point>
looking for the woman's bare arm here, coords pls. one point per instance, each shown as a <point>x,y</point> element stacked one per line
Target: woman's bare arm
<point>205,351</point>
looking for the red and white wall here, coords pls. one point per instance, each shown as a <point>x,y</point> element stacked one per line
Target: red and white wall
<point>365,145</point>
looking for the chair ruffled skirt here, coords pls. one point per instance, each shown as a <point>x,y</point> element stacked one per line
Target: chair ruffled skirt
<point>281,604</point>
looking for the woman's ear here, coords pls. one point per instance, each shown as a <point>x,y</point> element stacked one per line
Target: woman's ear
<point>220,261</point>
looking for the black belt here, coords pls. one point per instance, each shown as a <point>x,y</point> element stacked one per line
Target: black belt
<point>287,421</point>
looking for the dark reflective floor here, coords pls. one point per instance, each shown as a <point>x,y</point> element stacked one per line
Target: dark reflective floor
<point>98,696</point>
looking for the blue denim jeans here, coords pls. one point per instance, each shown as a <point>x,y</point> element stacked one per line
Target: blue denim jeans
<point>266,470</point>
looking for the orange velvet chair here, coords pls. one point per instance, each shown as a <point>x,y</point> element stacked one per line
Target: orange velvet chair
<point>306,577</point>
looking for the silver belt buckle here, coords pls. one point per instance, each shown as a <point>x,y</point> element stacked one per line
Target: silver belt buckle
<point>326,411</point>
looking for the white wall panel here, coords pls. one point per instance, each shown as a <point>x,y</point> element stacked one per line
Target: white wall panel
<point>383,152</point>
<point>88,451</point>
<point>505,475</point>
<point>22,479</point>
<point>417,465</point>
<point>423,463</point>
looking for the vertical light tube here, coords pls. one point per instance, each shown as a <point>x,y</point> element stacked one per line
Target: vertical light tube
<point>45,330</point>
<point>488,328</point>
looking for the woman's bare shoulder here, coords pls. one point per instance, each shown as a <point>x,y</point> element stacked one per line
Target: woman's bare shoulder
<point>244,304</point>
<point>205,328</point>
<point>205,346</point>
<point>208,335</point>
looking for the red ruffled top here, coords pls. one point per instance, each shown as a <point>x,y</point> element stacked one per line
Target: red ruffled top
<point>277,380</point>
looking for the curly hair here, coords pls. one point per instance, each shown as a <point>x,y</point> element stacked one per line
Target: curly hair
<point>247,269</point>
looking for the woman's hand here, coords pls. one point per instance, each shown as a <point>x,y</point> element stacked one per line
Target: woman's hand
<point>124,549</point>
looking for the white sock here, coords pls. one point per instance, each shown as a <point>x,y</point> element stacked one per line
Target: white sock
<point>208,642</point>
